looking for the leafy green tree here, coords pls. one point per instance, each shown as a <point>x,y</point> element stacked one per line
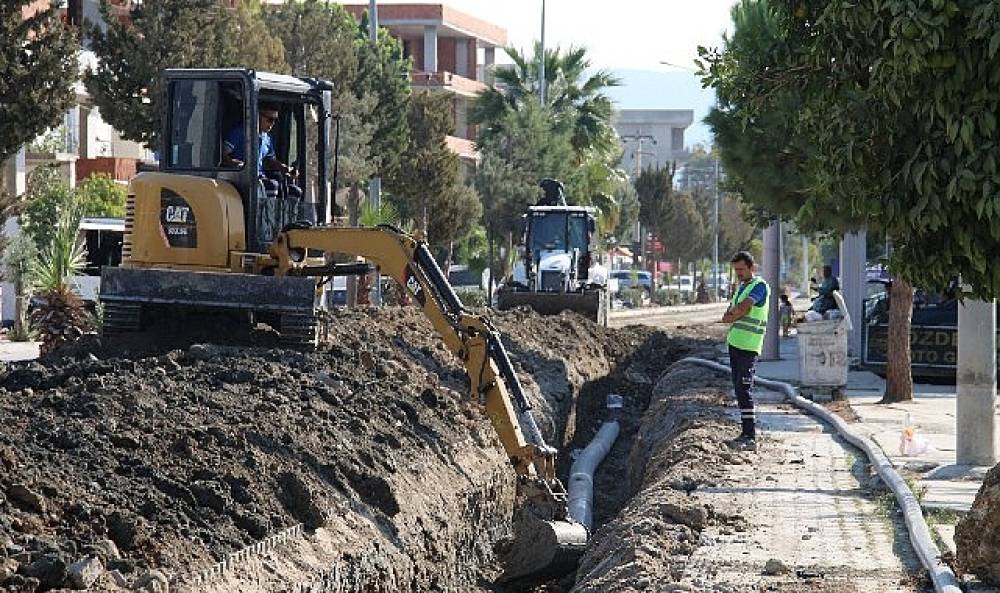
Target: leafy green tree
<point>38,64</point>
<point>532,149</point>
<point>577,110</point>
<point>100,195</point>
<point>255,45</point>
<point>896,127</point>
<point>672,216</point>
<point>473,250</point>
<point>896,124</point>
<point>321,40</point>
<point>430,192</point>
<point>628,209</point>
<point>47,195</point>
<point>384,73</point>
<point>127,85</point>
<point>18,255</point>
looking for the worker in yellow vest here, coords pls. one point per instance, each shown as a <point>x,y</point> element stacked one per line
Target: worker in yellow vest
<point>747,313</point>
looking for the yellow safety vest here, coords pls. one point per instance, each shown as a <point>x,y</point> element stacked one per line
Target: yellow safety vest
<point>747,333</point>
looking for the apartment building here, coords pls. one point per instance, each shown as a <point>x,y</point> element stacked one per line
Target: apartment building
<point>452,52</point>
<point>652,137</point>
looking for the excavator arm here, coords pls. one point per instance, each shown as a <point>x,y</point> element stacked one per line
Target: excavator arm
<point>556,540</point>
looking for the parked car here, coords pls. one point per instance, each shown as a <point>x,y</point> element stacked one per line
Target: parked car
<point>933,336</point>
<point>625,279</point>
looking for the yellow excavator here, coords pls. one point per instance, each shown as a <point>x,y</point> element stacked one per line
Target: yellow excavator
<point>217,234</point>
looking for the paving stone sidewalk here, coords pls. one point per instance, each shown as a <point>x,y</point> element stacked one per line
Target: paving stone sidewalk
<point>805,505</point>
<point>946,489</point>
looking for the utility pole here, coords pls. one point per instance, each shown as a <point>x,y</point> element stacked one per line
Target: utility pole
<point>772,265</point>
<point>715,229</point>
<point>975,421</point>
<point>805,266</point>
<point>639,138</point>
<point>541,64</point>
<point>375,185</point>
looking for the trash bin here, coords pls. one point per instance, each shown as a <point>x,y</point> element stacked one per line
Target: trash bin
<point>823,359</point>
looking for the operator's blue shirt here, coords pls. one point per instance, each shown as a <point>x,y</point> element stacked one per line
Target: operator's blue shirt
<point>758,294</point>
<point>235,142</point>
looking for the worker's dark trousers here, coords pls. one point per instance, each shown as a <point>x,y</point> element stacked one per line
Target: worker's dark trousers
<point>744,365</point>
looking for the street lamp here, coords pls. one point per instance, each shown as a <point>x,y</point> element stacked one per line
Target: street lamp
<point>541,64</point>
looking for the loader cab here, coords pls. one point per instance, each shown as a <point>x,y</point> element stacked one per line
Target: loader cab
<point>205,108</point>
<point>560,229</point>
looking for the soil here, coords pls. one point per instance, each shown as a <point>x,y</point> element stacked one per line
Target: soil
<point>679,446</point>
<point>363,466</point>
<point>704,515</point>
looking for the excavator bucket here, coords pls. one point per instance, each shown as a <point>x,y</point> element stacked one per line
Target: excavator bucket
<point>591,304</point>
<point>543,548</point>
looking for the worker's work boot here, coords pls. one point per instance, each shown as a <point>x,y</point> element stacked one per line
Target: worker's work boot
<point>743,443</point>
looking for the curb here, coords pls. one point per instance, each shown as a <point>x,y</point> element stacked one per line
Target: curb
<point>664,311</point>
<point>942,577</point>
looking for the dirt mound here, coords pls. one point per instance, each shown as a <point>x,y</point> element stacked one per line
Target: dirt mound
<point>174,460</point>
<point>977,538</point>
<point>678,447</point>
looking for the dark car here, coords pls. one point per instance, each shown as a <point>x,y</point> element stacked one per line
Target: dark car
<point>933,335</point>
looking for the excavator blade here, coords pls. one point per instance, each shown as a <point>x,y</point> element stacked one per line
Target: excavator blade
<point>543,548</point>
<point>591,304</point>
<point>129,296</point>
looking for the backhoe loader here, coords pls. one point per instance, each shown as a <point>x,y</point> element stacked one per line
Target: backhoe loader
<point>221,239</point>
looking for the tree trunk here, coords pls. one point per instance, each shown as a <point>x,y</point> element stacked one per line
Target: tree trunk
<point>19,315</point>
<point>490,239</point>
<point>451,256</point>
<point>899,374</point>
<point>353,212</point>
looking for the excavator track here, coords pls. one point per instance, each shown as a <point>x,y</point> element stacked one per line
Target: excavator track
<point>121,317</point>
<point>299,330</point>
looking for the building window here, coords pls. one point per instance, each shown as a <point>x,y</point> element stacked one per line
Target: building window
<point>74,12</point>
<point>677,139</point>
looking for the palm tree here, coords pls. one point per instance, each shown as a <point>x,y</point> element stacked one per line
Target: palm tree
<point>577,101</point>
<point>61,317</point>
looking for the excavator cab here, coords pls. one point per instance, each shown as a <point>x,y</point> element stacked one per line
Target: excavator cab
<point>211,112</point>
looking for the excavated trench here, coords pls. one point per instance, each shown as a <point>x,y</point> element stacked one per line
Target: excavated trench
<point>360,467</point>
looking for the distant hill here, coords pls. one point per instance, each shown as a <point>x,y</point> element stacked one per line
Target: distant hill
<point>649,89</point>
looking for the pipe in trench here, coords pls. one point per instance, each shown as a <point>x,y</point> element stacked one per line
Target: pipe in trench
<point>942,577</point>
<point>580,491</point>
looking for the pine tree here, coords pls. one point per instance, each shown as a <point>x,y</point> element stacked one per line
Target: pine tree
<point>38,65</point>
<point>127,84</point>
<point>431,193</point>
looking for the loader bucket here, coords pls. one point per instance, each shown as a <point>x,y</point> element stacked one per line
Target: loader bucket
<point>543,549</point>
<point>591,304</point>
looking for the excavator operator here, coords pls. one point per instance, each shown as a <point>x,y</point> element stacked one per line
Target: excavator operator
<point>267,161</point>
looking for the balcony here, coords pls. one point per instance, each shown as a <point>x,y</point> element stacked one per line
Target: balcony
<point>449,82</point>
<point>465,149</point>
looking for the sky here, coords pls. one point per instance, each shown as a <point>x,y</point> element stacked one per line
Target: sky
<point>630,37</point>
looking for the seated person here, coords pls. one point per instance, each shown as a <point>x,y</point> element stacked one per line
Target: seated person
<point>824,301</point>
<point>267,161</point>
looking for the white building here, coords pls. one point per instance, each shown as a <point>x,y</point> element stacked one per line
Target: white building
<point>652,137</point>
